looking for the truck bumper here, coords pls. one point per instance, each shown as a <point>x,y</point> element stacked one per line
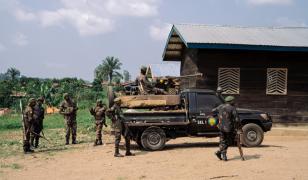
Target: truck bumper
<point>267,126</point>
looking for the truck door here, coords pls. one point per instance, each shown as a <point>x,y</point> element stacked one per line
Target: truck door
<point>205,104</point>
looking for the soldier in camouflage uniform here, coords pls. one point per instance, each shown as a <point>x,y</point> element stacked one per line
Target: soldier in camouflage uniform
<point>145,86</point>
<point>228,116</point>
<point>37,127</point>
<point>68,109</point>
<point>27,122</point>
<point>99,114</point>
<point>116,115</point>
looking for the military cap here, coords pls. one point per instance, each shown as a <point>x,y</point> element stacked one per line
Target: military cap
<point>229,98</point>
<point>99,101</point>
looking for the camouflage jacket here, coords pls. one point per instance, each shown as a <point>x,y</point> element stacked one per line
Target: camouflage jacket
<point>69,110</point>
<point>116,115</point>
<point>38,113</point>
<point>98,113</point>
<point>228,116</point>
<point>28,114</point>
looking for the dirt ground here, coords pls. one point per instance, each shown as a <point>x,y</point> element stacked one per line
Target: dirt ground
<point>283,155</point>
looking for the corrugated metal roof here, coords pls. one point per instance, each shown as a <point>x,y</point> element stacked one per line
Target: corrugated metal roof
<point>293,39</point>
<point>165,69</point>
<point>264,36</point>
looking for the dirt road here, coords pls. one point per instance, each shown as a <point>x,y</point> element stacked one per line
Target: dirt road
<point>281,157</point>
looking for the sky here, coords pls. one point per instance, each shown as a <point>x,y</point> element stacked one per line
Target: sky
<point>69,38</point>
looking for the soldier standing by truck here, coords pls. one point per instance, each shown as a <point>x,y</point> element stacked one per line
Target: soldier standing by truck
<point>228,116</point>
<point>99,114</point>
<point>37,127</point>
<point>116,115</point>
<point>68,109</point>
<point>27,124</point>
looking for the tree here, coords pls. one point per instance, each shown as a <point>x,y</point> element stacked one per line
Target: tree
<point>108,69</point>
<point>126,75</point>
<point>13,73</point>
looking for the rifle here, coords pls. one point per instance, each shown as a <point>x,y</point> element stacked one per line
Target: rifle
<point>239,133</point>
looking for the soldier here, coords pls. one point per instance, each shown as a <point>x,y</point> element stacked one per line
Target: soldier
<point>68,109</point>
<point>27,122</point>
<point>228,116</point>
<point>37,127</point>
<point>145,86</point>
<point>116,114</point>
<point>99,114</point>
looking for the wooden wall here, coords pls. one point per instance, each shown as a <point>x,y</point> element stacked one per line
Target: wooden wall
<point>253,65</point>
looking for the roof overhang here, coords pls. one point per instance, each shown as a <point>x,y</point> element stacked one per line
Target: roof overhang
<point>176,44</point>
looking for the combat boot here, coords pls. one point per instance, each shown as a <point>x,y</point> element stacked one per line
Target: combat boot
<point>224,156</point>
<point>95,142</point>
<point>218,154</point>
<point>67,141</point>
<point>117,153</point>
<point>128,153</point>
<point>100,142</point>
<point>74,141</point>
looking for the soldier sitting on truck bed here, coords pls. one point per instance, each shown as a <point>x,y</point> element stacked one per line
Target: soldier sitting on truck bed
<point>145,86</point>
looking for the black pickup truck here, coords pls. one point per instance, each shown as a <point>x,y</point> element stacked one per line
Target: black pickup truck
<point>152,129</point>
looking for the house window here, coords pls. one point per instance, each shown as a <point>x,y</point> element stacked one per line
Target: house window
<point>277,80</point>
<point>229,80</point>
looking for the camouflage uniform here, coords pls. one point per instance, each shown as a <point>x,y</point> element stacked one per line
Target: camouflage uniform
<point>28,118</point>
<point>116,114</point>
<point>227,118</point>
<point>145,86</point>
<point>68,109</point>
<point>37,127</point>
<point>99,114</point>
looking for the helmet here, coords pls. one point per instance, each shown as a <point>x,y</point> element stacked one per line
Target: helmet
<point>143,69</point>
<point>219,89</point>
<point>31,101</point>
<point>99,101</point>
<point>41,99</point>
<point>229,99</point>
<point>66,95</point>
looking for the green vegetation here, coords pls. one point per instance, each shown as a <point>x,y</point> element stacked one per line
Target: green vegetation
<point>11,133</point>
<point>15,88</point>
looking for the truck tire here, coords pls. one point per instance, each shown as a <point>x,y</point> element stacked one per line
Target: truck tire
<point>153,139</point>
<point>110,95</point>
<point>252,135</point>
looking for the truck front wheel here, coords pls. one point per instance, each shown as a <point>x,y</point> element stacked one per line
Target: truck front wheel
<point>153,138</point>
<point>252,135</point>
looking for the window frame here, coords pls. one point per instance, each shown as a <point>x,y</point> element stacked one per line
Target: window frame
<point>285,82</point>
<point>238,81</point>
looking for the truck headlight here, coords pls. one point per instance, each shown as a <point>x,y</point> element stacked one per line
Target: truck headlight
<point>264,116</point>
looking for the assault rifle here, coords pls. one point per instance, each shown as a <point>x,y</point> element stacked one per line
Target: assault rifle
<point>239,133</point>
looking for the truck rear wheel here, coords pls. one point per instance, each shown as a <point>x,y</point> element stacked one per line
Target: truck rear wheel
<point>153,138</point>
<point>252,135</point>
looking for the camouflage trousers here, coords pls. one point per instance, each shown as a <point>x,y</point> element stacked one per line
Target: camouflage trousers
<point>99,128</point>
<point>36,128</point>
<point>70,128</point>
<point>118,140</point>
<point>27,134</point>
<point>225,141</point>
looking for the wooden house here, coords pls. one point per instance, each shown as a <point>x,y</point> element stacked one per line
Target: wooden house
<point>265,68</point>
